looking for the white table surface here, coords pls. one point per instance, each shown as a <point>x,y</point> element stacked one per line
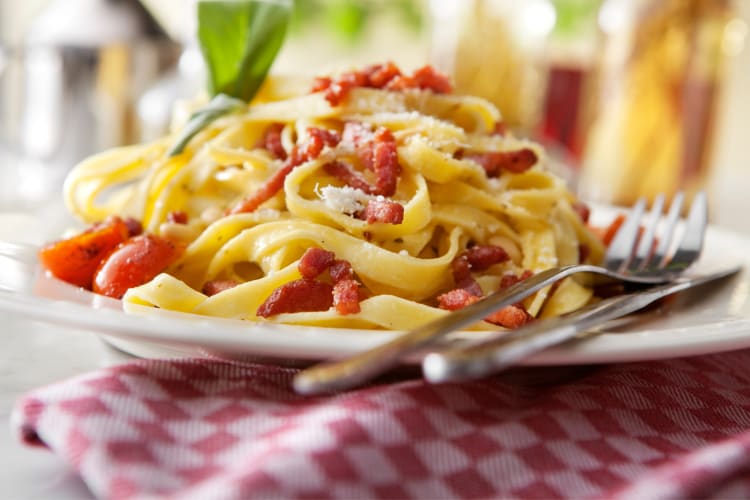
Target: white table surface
<point>34,355</point>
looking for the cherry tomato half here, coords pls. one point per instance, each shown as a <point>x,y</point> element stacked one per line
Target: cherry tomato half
<point>134,263</point>
<point>75,260</point>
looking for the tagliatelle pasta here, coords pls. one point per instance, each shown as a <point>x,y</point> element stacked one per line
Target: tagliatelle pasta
<point>421,193</point>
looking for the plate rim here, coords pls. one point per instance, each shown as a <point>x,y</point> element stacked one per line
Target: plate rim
<point>168,328</point>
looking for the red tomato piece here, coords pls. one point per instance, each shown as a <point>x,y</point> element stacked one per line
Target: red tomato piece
<point>75,260</point>
<point>134,263</point>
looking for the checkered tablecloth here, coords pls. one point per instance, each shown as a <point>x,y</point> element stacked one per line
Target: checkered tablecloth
<point>208,429</point>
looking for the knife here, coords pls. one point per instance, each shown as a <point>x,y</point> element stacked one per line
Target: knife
<point>484,358</point>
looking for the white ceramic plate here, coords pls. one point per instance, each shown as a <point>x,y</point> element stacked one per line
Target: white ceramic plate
<point>712,318</point>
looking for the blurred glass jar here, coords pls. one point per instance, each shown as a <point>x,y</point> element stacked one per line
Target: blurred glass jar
<point>569,58</point>
<point>653,97</point>
<point>494,49</point>
<point>69,89</point>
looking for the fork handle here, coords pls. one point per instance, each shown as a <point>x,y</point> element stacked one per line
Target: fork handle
<point>359,368</point>
<point>497,354</point>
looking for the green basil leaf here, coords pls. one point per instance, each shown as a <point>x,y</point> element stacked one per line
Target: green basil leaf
<point>219,106</point>
<point>239,40</point>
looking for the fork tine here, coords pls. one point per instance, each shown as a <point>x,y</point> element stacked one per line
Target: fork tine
<point>665,239</point>
<point>691,244</point>
<point>645,245</point>
<point>621,248</point>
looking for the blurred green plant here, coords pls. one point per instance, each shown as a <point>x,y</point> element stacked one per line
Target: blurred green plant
<point>575,16</point>
<point>347,20</point>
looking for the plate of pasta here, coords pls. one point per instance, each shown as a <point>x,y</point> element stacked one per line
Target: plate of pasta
<point>316,223</point>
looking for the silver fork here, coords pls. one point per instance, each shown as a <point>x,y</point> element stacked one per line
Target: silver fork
<point>629,258</point>
<point>503,351</point>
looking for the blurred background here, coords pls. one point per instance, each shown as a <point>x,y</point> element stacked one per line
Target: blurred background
<point>632,97</point>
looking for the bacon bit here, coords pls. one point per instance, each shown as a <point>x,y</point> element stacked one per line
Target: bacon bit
<point>500,129</point>
<point>320,84</point>
<point>456,299</point>
<point>583,211</point>
<point>513,161</point>
<point>267,191</point>
<point>583,252</point>
<point>311,293</point>
<point>611,230</point>
<point>346,297</point>
<point>338,90</point>
<point>271,141</point>
<point>341,270</point>
<point>177,217</point>
<point>461,268</point>
<point>462,277</point>
<point>134,226</point>
<point>480,257</point>
<point>386,211</point>
<point>309,150</point>
<point>314,262</point>
<point>512,316</point>
<point>329,138</point>
<point>380,155</point>
<point>381,76</point>
<point>428,78</point>
<point>377,150</point>
<point>385,162</point>
<point>301,295</point>
<point>508,280</point>
<point>213,287</point>
<point>348,176</point>
<point>424,78</point>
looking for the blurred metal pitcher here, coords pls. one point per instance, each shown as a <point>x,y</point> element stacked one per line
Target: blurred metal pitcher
<point>71,88</point>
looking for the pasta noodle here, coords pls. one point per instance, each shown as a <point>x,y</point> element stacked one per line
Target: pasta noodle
<point>402,224</point>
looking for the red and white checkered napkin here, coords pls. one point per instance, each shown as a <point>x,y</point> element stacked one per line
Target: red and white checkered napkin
<point>208,429</point>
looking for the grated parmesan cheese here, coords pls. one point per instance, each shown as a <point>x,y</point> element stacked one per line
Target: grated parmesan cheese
<point>344,199</point>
